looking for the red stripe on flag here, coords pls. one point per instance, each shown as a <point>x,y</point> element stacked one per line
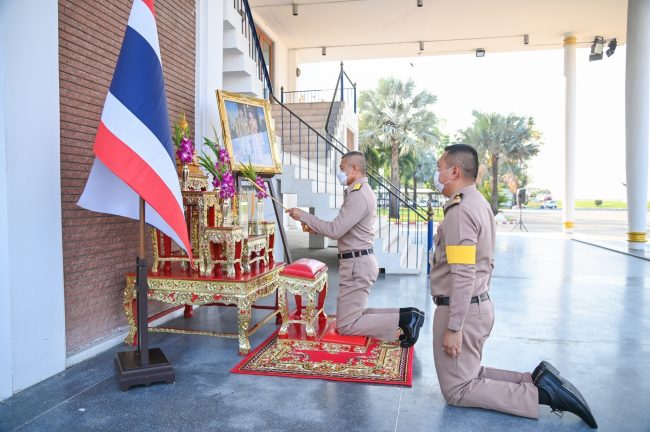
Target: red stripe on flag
<point>134,171</point>
<point>149,4</point>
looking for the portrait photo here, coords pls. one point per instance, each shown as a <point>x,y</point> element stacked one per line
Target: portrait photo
<point>248,138</point>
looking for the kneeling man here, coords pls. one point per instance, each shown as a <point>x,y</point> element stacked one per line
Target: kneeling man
<point>354,229</point>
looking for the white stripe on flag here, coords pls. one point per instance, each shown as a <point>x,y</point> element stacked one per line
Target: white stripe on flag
<point>132,132</point>
<point>107,193</point>
<point>143,21</point>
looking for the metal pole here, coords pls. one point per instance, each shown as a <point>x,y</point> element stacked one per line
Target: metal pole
<point>142,288</point>
<point>429,237</point>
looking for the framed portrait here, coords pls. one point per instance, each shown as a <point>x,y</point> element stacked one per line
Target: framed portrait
<point>247,134</point>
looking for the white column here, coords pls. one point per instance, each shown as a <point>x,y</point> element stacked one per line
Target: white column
<point>209,67</point>
<point>637,93</point>
<point>292,68</point>
<point>568,205</point>
<point>6,364</point>
<point>32,313</point>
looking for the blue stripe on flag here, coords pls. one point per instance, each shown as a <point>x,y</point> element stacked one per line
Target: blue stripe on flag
<point>138,84</point>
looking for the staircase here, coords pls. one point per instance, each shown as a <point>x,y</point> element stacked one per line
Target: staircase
<point>240,69</point>
<point>299,141</point>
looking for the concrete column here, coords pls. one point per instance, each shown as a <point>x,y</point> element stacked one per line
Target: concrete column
<point>209,67</point>
<point>637,94</point>
<point>32,312</point>
<point>568,204</point>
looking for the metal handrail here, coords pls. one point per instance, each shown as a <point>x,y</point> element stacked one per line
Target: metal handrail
<point>340,84</point>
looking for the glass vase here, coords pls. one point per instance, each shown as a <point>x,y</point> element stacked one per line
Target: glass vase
<point>259,209</point>
<point>226,212</point>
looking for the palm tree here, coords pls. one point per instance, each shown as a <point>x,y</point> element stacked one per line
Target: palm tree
<point>511,140</point>
<point>394,116</point>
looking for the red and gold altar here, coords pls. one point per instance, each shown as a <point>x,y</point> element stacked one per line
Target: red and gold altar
<point>233,261</point>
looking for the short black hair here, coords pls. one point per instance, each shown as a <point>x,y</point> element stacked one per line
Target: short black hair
<point>359,159</point>
<point>466,157</point>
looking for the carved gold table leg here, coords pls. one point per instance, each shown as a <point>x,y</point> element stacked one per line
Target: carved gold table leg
<point>129,310</point>
<point>310,313</point>
<point>284,309</point>
<point>244,320</point>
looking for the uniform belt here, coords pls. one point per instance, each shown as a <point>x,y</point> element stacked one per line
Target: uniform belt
<point>444,301</point>
<point>354,254</point>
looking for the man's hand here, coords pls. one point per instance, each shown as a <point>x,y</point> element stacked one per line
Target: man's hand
<point>294,213</point>
<point>306,228</point>
<point>452,342</point>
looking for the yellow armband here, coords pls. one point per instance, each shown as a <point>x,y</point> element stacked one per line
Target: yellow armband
<point>461,254</point>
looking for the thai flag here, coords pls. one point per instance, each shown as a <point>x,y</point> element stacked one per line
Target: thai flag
<point>133,146</point>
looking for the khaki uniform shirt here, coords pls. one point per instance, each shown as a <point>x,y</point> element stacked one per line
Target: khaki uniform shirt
<point>462,262</point>
<point>354,226</point>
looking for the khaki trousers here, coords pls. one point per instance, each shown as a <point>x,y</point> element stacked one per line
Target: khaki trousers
<point>356,276</point>
<point>465,383</point>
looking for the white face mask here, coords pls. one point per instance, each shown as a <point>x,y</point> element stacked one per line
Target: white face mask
<point>436,180</point>
<point>343,177</point>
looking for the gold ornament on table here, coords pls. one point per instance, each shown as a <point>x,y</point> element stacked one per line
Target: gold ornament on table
<point>191,176</point>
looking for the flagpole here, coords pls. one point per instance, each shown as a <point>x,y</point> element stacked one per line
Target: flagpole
<point>144,366</point>
<point>142,288</point>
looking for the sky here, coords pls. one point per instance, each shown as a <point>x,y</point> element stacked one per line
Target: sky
<point>527,84</point>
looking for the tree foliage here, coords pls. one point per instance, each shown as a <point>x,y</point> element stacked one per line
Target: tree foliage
<point>505,145</point>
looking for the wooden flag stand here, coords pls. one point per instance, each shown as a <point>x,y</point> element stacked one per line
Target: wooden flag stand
<point>146,365</point>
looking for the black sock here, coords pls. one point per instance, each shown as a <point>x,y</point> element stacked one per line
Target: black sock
<point>544,398</point>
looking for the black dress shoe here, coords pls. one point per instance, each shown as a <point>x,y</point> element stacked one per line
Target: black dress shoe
<point>402,337</point>
<point>413,309</point>
<point>543,366</point>
<point>562,395</point>
<point>410,323</point>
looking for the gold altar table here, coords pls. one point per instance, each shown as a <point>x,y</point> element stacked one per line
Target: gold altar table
<point>180,287</point>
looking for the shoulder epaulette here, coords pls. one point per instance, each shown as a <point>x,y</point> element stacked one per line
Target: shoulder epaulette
<point>356,187</point>
<point>454,201</point>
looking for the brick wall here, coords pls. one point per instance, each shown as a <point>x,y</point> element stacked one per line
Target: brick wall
<point>99,249</point>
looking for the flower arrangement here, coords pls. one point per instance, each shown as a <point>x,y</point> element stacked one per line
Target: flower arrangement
<point>222,177</point>
<point>184,145</point>
<point>249,172</point>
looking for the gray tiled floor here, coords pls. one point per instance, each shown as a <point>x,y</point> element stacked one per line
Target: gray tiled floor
<point>584,308</point>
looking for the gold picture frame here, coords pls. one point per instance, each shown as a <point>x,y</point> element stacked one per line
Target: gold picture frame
<point>247,132</point>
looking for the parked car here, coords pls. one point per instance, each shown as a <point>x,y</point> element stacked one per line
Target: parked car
<point>550,204</point>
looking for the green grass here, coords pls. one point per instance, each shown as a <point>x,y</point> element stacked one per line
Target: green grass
<point>586,204</point>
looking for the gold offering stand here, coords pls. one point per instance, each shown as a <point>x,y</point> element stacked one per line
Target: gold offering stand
<point>231,267</point>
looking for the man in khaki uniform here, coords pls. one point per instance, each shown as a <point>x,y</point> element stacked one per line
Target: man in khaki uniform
<point>460,280</point>
<point>354,229</point>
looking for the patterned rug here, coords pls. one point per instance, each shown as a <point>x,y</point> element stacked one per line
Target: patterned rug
<point>374,362</point>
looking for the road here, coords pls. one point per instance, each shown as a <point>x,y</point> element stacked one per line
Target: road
<point>602,223</point>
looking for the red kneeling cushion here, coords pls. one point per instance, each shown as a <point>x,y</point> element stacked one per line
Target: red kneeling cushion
<point>305,268</point>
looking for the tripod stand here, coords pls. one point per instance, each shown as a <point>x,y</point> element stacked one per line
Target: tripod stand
<point>520,224</point>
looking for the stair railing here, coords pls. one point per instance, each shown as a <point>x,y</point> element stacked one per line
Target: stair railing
<point>342,93</point>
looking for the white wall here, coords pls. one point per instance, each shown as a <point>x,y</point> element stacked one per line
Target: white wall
<point>281,64</point>
<point>32,319</point>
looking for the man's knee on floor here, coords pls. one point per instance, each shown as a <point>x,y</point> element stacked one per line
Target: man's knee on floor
<point>346,330</point>
<point>452,395</point>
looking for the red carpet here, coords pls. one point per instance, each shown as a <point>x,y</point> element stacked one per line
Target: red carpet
<point>371,361</point>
